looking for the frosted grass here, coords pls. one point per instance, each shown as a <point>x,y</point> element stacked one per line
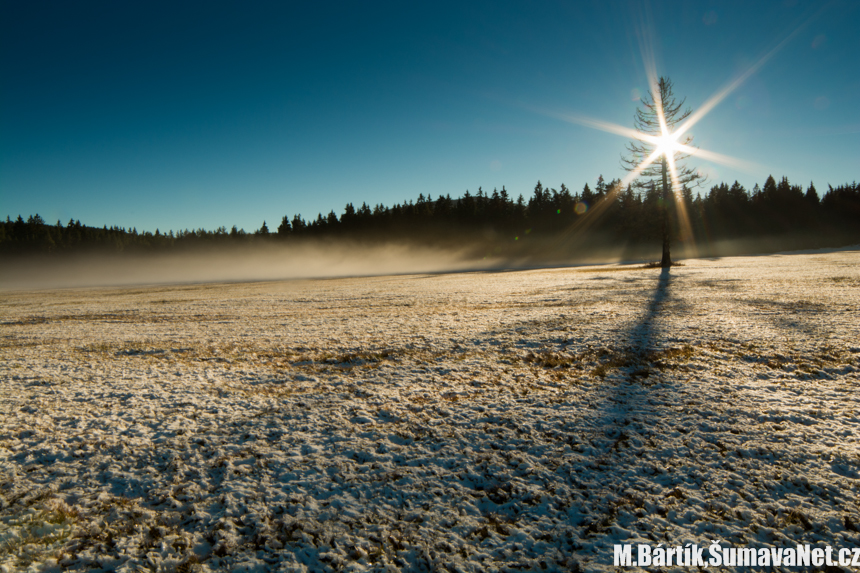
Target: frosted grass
<point>467,422</point>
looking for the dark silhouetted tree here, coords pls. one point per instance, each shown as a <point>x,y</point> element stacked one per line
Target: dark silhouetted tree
<point>812,195</point>
<point>284,228</point>
<point>657,110</point>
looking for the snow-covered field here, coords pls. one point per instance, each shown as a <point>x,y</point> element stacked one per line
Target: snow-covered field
<point>464,422</point>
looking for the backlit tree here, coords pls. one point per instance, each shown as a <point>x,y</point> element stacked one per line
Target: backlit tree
<point>659,151</point>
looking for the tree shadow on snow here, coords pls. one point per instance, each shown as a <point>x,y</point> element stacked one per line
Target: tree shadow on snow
<point>641,337</point>
<point>635,408</point>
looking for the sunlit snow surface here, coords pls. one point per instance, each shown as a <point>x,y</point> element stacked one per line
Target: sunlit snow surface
<point>468,422</point>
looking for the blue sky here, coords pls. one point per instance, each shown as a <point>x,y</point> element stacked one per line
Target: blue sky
<point>186,115</point>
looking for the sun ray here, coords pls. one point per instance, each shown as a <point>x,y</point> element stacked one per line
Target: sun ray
<point>718,97</point>
<point>741,164</point>
<point>658,102</point>
<point>634,175</point>
<point>607,127</point>
<point>667,144</point>
<point>649,61</point>
<point>667,148</point>
<point>582,224</point>
<point>669,141</point>
<point>683,216</point>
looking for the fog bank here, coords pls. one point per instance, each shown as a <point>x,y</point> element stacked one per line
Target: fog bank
<point>245,263</point>
<point>329,259</point>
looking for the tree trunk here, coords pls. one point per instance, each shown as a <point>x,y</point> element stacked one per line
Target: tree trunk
<point>666,261</point>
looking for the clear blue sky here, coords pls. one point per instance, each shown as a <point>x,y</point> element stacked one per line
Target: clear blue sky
<point>185,115</point>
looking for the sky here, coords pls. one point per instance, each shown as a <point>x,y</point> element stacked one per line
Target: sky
<point>186,115</point>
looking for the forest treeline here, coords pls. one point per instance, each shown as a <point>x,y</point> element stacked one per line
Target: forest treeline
<point>497,223</point>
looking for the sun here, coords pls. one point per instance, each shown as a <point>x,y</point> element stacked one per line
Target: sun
<point>667,145</point>
<point>664,148</point>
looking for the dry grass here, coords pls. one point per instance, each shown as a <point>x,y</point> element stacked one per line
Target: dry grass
<point>37,530</point>
<point>549,359</point>
<point>639,365</point>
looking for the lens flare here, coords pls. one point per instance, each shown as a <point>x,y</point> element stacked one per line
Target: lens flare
<point>667,145</point>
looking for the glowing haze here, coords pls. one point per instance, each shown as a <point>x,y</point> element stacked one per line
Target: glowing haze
<point>187,115</point>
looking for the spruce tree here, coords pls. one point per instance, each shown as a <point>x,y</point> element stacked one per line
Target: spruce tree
<point>658,116</point>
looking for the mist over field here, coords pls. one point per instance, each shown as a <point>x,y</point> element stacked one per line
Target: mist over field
<point>251,263</point>
<point>344,258</point>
